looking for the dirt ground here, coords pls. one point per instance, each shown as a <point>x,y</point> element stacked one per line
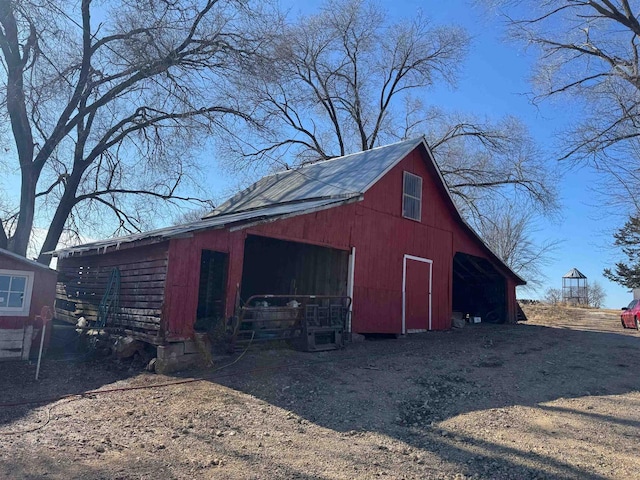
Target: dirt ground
<point>555,397</point>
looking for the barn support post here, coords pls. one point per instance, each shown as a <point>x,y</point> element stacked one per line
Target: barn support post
<point>44,330</point>
<point>234,274</point>
<point>350,283</point>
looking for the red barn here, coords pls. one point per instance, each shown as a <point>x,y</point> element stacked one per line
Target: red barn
<point>25,287</point>
<point>378,225</point>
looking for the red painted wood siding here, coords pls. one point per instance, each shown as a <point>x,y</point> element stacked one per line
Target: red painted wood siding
<point>43,294</point>
<point>183,277</point>
<point>381,236</point>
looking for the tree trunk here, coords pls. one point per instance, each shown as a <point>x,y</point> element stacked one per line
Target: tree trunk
<point>20,239</point>
<point>15,57</point>
<point>56,227</point>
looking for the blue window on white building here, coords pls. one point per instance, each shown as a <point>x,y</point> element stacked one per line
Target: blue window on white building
<point>15,292</point>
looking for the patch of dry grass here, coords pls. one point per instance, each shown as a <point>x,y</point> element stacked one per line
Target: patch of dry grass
<point>544,313</point>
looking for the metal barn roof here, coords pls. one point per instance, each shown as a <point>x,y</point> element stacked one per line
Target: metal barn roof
<point>240,218</point>
<point>291,192</point>
<point>310,188</point>
<point>349,175</point>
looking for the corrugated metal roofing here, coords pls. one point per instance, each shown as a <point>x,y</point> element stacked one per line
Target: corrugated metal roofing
<point>219,221</point>
<point>348,175</point>
<point>574,273</point>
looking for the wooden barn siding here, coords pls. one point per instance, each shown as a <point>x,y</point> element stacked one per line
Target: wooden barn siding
<point>183,277</point>
<point>380,248</point>
<point>328,228</point>
<point>374,226</point>
<point>437,213</point>
<point>43,294</point>
<point>382,237</point>
<point>83,281</point>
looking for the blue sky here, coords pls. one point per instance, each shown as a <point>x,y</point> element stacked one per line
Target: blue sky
<point>493,82</point>
<point>495,77</point>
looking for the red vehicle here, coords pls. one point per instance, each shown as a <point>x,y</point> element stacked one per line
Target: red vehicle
<point>630,315</point>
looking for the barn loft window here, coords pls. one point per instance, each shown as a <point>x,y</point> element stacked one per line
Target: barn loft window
<point>412,196</point>
<point>15,292</point>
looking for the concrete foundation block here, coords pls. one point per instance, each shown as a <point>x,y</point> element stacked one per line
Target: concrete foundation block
<point>178,363</point>
<point>170,350</point>
<point>192,353</point>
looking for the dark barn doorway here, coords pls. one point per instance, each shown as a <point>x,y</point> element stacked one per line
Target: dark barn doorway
<point>281,267</point>
<point>212,289</point>
<point>479,289</point>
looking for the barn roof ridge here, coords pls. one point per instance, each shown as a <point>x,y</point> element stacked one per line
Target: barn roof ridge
<point>411,140</point>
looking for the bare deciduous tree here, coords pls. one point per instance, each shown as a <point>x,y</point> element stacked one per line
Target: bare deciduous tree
<point>103,108</point>
<point>334,79</point>
<point>553,296</point>
<point>192,215</point>
<point>509,231</point>
<point>348,79</point>
<point>589,55</point>
<point>596,295</point>
<point>489,162</point>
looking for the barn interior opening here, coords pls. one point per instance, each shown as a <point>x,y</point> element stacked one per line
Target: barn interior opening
<point>212,289</point>
<point>279,267</point>
<point>479,290</point>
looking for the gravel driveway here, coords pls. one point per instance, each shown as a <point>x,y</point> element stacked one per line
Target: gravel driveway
<point>556,397</point>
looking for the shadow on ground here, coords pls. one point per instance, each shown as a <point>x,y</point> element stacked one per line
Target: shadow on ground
<point>408,388</point>
<point>68,368</point>
<point>491,401</point>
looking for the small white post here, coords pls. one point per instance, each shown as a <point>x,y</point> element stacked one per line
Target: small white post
<point>350,286</point>
<point>44,331</point>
